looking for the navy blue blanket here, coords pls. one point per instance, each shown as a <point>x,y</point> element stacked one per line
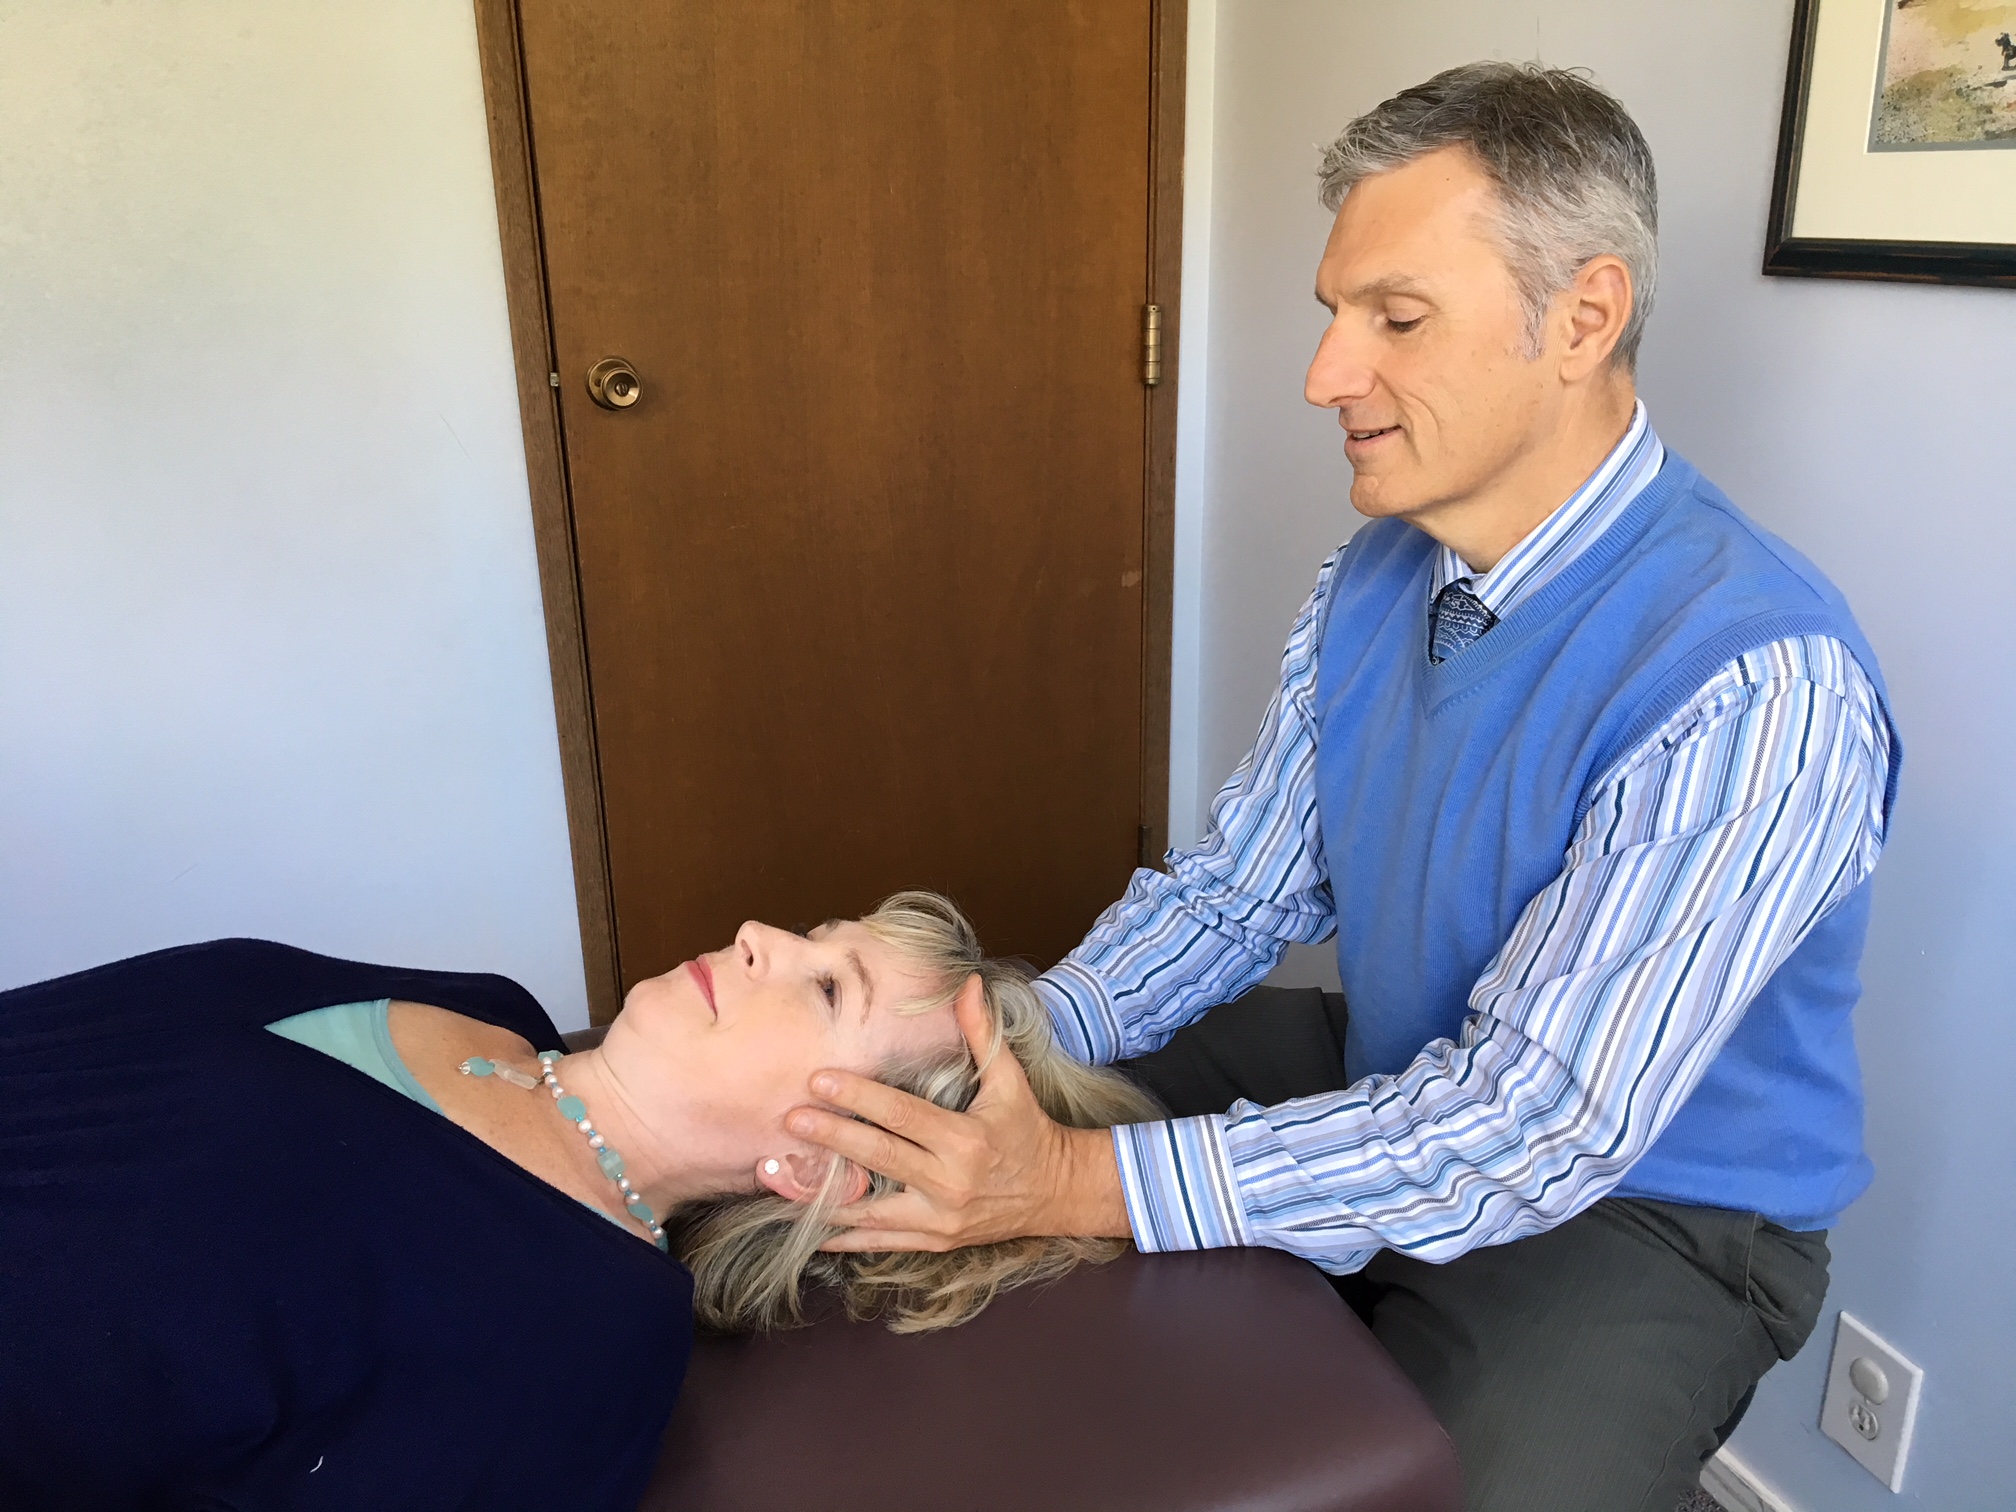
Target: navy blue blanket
<point>235,1273</point>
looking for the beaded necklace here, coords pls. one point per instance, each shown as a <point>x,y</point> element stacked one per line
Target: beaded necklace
<point>575,1112</point>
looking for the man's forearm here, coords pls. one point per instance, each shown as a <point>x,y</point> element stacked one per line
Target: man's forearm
<point>1181,942</point>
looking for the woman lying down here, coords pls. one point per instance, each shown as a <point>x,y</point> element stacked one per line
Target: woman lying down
<point>283,1231</point>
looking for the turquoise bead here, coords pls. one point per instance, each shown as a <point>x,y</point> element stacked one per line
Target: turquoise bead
<point>659,1240</point>
<point>610,1161</point>
<point>479,1066</point>
<point>572,1109</point>
<point>641,1211</point>
<point>547,1057</point>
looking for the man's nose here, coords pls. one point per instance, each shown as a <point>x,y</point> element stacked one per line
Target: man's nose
<point>1339,373</point>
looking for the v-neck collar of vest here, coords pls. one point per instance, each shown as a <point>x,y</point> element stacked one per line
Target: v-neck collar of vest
<point>1443,683</point>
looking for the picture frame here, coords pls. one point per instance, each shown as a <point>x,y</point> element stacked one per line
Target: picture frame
<point>1897,144</point>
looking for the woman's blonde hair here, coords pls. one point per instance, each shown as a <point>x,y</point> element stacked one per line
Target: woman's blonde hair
<point>753,1254</point>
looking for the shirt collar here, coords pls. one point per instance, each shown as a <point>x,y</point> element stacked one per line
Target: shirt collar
<point>1545,552</point>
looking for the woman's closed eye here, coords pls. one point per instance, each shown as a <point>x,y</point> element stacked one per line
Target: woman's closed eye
<point>829,988</point>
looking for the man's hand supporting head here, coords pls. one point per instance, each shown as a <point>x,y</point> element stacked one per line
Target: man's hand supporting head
<point>1000,1170</point>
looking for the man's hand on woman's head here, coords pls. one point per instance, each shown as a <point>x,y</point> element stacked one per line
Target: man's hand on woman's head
<point>1000,1170</point>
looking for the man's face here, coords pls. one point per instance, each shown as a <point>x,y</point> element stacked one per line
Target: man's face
<point>1425,356</point>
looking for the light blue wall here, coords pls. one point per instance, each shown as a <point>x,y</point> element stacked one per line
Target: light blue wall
<point>1871,425</point>
<point>271,653</point>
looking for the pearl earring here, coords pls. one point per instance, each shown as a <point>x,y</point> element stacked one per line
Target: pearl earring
<point>770,1168</point>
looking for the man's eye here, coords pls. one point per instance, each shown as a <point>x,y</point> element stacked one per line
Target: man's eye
<point>1403,326</point>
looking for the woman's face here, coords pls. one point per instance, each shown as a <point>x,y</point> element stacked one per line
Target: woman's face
<point>727,1043</point>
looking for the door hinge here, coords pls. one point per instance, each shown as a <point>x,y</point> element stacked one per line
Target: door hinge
<point>1151,345</point>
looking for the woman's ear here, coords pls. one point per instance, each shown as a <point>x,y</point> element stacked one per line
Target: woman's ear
<point>798,1177</point>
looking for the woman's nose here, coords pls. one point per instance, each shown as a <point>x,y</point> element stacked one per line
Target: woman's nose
<point>752,945</point>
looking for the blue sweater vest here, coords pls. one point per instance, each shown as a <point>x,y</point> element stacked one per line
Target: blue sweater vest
<point>1448,795</point>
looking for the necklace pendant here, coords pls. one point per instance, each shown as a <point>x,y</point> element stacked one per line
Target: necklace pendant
<point>477,1065</point>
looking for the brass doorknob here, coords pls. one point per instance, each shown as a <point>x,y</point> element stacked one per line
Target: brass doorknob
<point>614,384</point>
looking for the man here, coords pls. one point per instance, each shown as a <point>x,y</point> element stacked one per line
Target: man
<point>1587,775</point>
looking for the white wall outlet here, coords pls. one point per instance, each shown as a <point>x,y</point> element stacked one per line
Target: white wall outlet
<point>1871,1404</point>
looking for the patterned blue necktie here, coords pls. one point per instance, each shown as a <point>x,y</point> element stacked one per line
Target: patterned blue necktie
<point>1459,618</point>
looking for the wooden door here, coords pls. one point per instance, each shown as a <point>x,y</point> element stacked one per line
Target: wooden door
<point>863,576</point>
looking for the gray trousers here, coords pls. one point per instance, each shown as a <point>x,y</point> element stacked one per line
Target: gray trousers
<point>1592,1368</point>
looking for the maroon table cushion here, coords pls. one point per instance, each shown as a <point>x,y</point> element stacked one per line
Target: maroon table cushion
<point>1161,1383</point>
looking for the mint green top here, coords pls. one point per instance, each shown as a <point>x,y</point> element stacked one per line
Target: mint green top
<point>360,1035</point>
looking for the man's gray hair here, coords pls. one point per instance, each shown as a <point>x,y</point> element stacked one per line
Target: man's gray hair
<point>1574,175</point>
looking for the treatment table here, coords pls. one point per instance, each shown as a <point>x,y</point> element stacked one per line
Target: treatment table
<point>1229,1381</point>
<point>1226,1381</point>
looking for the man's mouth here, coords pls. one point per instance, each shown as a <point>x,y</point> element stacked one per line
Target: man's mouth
<point>1370,435</point>
<point>704,975</point>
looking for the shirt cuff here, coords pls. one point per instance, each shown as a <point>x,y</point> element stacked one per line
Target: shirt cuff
<point>1081,1013</point>
<point>1178,1181</point>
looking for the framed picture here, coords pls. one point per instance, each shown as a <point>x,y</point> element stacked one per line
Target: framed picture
<point>1897,151</point>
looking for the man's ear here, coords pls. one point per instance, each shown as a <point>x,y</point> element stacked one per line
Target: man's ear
<point>1599,305</point>
<point>797,1177</point>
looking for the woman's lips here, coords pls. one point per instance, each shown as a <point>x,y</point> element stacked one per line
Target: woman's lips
<point>704,975</point>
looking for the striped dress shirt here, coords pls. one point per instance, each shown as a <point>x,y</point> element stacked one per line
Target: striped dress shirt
<point>1707,853</point>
